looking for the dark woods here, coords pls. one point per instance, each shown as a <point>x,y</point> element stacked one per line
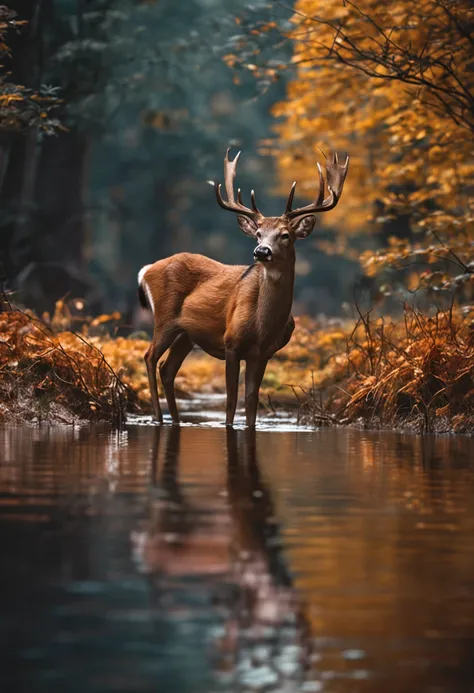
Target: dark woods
<point>120,182</point>
<point>43,178</point>
<point>141,105</point>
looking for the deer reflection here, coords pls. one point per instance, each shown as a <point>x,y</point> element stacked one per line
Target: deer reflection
<point>267,635</point>
<point>174,515</point>
<point>180,539</point>
<point>235,548</point>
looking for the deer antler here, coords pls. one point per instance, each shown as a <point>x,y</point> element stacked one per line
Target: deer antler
<point>231,205</point>
<point>335,176</point>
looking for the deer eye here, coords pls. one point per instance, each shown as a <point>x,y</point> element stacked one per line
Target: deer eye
<point>258,235</point>
<point>285,236</point>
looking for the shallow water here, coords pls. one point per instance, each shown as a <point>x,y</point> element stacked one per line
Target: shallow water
<point>202,560</point>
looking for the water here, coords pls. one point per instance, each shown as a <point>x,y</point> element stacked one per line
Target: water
<point>199,560</point>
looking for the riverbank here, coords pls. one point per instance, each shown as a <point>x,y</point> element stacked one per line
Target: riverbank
<point>415,373</point>
<point>49,374</point>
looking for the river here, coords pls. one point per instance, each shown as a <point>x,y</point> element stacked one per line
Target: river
<point>199,559</point>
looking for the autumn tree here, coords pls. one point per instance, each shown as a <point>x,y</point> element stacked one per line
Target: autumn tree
<point>150,107</point>
<point>391,83</point>
<point>22,107</point>
<point>24,110</point>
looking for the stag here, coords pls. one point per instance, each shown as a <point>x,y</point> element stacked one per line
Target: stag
<point>232,312</point>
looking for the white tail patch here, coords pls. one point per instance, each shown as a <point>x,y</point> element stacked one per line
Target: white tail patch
<point>141,274</point>
<point>145,287</point>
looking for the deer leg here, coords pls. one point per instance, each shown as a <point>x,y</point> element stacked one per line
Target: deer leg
<point>232,370</point>
<point>254,372</point>
<point>180,348</point>
<point>160,343</point>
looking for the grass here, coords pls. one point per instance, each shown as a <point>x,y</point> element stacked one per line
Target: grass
<point>55,377</point>
<point>416,372</point>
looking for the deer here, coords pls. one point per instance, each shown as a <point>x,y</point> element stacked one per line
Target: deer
<point>234,313</point>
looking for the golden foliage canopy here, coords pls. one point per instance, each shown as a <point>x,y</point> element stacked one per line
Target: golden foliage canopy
<point>393,85</point>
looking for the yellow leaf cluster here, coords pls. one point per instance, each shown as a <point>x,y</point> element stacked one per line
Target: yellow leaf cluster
<point>392,85</point>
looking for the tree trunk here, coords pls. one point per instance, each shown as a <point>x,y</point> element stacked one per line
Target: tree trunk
<point>63,194</point>
<point>84,200</point>
<point>54,264</point>
<point>4,156</point>
<point>22,250</point>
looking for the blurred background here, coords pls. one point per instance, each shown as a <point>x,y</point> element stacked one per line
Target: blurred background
<point>148,107</point>
<point>114,114</point>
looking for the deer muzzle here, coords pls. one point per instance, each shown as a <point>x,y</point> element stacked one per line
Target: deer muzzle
<point>263,253</point>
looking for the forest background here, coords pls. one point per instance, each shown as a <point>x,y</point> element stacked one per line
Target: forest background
<point>114,114</point>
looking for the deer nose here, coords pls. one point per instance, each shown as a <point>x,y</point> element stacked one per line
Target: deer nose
<point>262,252</point>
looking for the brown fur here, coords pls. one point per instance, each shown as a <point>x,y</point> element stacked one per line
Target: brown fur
<point>217,307</point>
<point>232,312</point>
<point>221,308</point>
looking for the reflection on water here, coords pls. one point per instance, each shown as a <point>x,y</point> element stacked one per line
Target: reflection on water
<point>204,560</point>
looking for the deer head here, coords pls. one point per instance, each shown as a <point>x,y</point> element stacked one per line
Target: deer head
<point>276,236</point>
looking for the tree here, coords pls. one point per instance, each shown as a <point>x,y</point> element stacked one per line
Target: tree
<point>150,108</point>
<point>26,112</point>
<point>20,107</point>
<point>393,85</point>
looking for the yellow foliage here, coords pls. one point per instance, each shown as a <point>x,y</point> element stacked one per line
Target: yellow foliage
<point>392,85</point>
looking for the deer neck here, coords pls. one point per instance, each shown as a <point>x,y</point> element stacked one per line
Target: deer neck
<point>275,298</point>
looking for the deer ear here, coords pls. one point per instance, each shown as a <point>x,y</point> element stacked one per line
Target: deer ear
<point>304,226</point>
<point>248,226</point>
